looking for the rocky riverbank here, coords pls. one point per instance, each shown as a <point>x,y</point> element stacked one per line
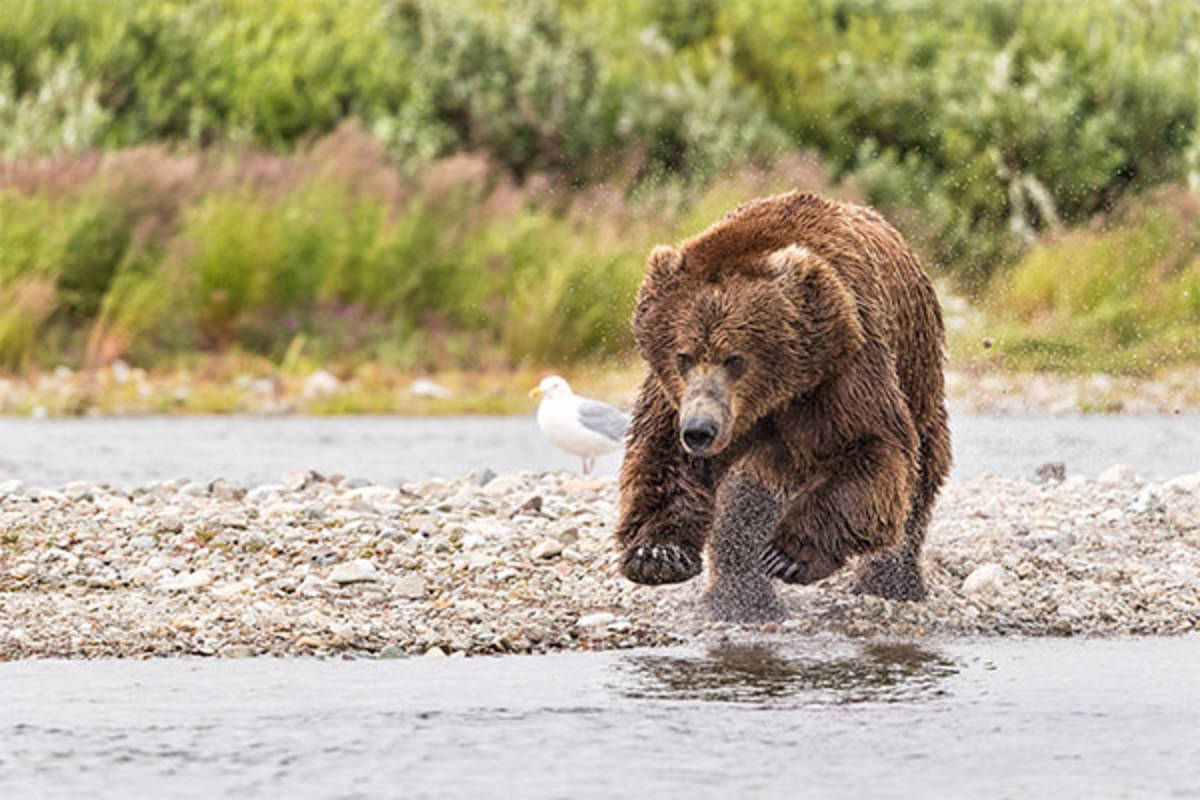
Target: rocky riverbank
<point>524,563</point>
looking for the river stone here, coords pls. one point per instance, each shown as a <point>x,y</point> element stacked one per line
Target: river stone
<point>1116,475</point>
<point>143,542</point>
<point>236,651</point>
<point>595,620</point>
<point>79,490</point>
<point>1050,472</point>
<point>1146,502</point>
<point>503,485</point>
<point>188,581</point>
<point>392,651</point>
<point>986,579</point>
<point>11,488</point>
<point>1182,483</point>
<point>547,548</point>
<point>358,571</point>
<point>411,586</point>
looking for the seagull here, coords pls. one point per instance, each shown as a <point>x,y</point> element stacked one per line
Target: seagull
<point>587,428</point>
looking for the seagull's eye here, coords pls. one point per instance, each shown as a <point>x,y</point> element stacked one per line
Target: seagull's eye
<point>684,362</point>
<point>735,366</point>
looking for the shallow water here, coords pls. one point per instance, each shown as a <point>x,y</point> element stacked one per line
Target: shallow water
<point>815,718</point>
<point>389,450</point>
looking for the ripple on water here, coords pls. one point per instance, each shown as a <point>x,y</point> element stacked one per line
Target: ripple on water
<point>760,673</point>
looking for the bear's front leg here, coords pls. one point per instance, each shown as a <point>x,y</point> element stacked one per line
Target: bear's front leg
<point>857,503</point>
<point>666,506</point>
<point>745,514</point>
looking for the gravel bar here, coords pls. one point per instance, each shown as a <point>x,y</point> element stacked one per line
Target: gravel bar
<point>525,562</point>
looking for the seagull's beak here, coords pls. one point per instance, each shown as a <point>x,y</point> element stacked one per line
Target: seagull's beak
<point>536,392</point>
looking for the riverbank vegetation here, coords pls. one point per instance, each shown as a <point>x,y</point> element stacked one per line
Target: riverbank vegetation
<point>473,186</point>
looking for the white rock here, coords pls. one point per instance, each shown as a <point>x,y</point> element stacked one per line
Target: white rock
<point>985,579</point>
<point>547,548</point>
<point>425,387</point>
<point>358,571</point>
<point>260,494</point>
<point>187,581</point>
<point>595,620</point>
<point>56,556</point>
<point>320,384</point>
<point>79,490</point>
<point>503,485</point>
<point>11,488</point>
<point>410,585</point>
<point>1146,502</point>
<point>487,529</point>
<point>1116,475</point>
<point>19,637</point>
<point>143,542</point>
<point>1181,483</point>
<point>231,590</point>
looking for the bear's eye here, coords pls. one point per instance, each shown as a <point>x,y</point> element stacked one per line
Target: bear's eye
<point>684,362</point>
<point>735,366</point>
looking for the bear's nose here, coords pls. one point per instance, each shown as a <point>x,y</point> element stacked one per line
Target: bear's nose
<point>699,433</point>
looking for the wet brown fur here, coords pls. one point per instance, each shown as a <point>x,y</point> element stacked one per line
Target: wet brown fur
<point>838,412</point>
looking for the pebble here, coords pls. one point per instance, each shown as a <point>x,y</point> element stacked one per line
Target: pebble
<point>188,581</point>
<point>547,548</point>
<point>986,579</point>
<point>1146,501</point>
<point>1116,475</point>
<point>595,620</point>
<point>410,586</point>
<point>358,571</point>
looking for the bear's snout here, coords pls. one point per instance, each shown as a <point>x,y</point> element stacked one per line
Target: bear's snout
<point>699,433</point>
<point>704,414</point>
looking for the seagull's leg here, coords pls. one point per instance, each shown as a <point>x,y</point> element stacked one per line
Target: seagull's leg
<point>587,466</point>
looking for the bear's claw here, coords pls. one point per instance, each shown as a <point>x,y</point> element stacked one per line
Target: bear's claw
<point>778,564</point>
<point>660,563</point>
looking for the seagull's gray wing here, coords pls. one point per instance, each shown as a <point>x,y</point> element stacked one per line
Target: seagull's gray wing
<point>604,419</point>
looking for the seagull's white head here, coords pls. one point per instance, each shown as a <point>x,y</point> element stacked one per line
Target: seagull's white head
<point>551,387</point>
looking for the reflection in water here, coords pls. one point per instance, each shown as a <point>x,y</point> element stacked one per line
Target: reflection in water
<point>756,673</point>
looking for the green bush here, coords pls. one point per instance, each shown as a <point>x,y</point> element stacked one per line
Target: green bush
<point>1123,299</point>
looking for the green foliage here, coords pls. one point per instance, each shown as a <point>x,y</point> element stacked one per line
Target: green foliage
<point>1124,299</point>
<point>982,129</point>
<point>328,251</point>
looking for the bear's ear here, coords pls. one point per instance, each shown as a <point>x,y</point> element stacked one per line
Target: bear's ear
<point>827,315</point>
<point>663,262</point>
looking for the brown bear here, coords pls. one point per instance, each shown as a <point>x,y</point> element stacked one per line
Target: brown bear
<point>793,415</point>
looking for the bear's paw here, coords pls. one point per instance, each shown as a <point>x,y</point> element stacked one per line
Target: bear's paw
<point>661,563</point>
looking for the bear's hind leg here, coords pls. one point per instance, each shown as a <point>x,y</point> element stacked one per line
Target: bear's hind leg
<point>896,574</point>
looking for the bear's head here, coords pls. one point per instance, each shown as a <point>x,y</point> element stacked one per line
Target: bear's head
<point>733,341</point>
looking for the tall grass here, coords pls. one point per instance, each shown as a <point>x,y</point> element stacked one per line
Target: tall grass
<point>1122,297</point>
<point>333,250</point>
